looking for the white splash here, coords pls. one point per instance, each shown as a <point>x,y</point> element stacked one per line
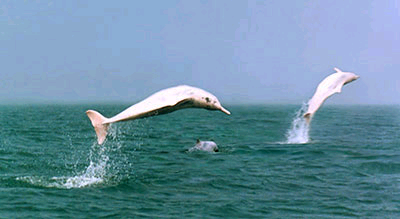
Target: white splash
<point>101,169</point>
<point>298,133</point>
<point>94,174</point>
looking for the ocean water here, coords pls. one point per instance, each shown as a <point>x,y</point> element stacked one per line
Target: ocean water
<point>347,166</point>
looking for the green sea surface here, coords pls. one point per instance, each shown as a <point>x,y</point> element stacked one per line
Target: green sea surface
<point>52,167</point>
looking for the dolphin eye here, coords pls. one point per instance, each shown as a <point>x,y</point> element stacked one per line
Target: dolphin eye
<point>208,100</point>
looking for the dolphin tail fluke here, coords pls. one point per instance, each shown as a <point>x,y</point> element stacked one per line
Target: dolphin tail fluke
<point>97,121</point>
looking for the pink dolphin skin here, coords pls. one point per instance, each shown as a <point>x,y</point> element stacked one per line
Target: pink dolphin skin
<point>161,102</point>
<point>209,146</point>
<point>329,86</point>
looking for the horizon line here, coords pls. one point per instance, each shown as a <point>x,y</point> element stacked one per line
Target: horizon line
<point>107,102</point>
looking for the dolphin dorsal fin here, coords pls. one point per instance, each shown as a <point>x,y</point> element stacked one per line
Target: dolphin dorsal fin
<point>337,70</point>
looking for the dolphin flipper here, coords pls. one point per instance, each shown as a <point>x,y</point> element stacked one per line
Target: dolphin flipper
<point>337,69</point>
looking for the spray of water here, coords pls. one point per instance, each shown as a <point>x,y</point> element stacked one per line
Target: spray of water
<point>298,132</point>
<point>98,168</point>
<point>96,173</point>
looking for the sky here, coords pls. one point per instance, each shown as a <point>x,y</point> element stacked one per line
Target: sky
<point>241,51</point>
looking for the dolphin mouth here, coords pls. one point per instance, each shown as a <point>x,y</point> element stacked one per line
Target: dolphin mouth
<point>225,110</point>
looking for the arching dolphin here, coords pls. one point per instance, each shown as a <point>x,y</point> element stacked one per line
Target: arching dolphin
<point>329,86</point>
<point>161,102</point>
<point>209,146</point>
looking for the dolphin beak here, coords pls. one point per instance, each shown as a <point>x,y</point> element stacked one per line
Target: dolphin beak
<point>225,110</point>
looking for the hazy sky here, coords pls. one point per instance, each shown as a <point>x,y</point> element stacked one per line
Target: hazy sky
<point>241,51</point>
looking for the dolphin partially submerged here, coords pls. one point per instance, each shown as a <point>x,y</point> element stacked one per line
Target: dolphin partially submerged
<point>161,102</point>
<point>329,86</point>
<point>209,146</point>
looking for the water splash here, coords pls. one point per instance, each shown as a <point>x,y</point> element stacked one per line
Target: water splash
<point>298,133</point>
<point>94,174</point>
<point>105,164</point>
<point>97,172</point>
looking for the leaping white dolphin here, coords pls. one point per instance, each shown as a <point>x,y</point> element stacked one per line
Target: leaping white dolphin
<point>329,86</point>
<point>161,102</point>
